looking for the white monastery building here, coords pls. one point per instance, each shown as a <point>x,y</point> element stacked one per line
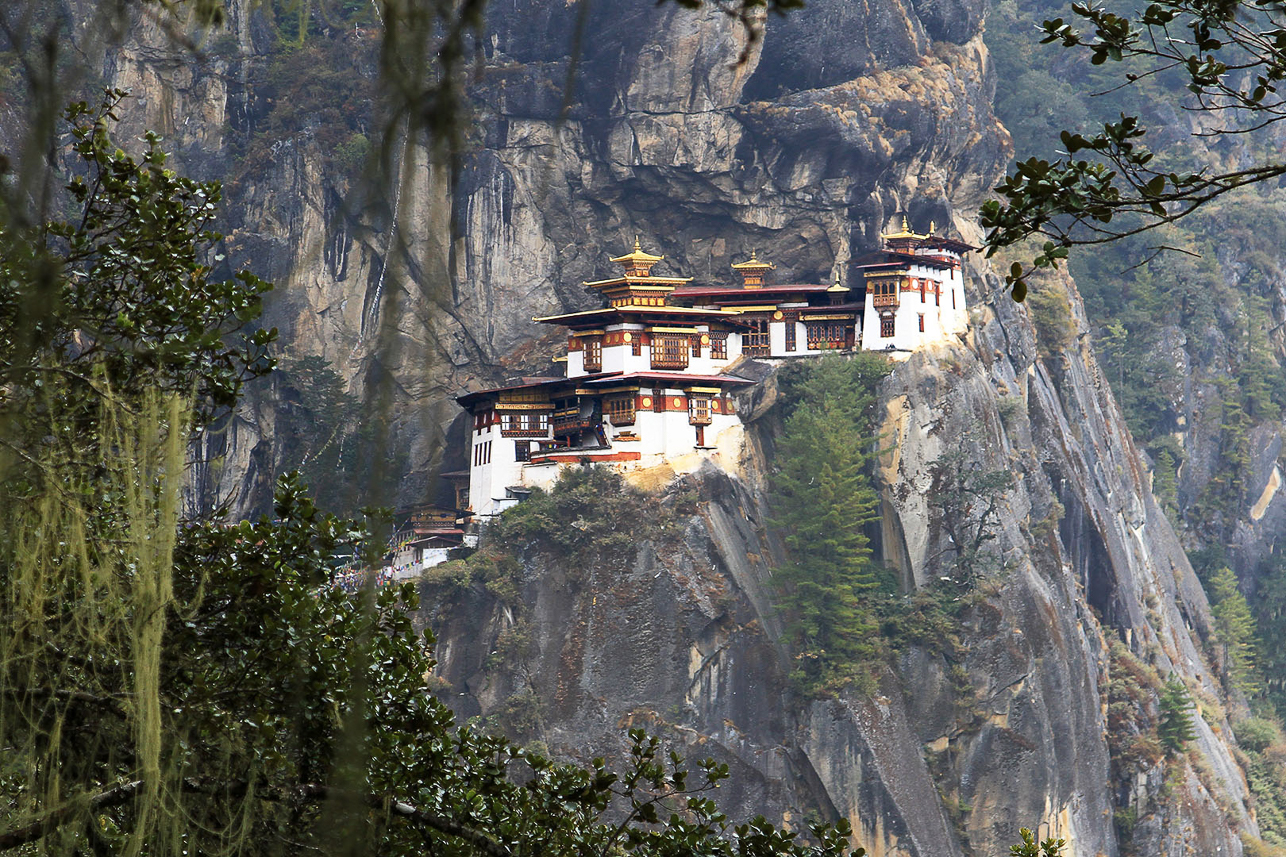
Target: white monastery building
<point>650,375</point>
<point>914,291</point>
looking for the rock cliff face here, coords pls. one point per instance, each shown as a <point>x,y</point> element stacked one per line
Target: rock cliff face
<point>804,145</point>
<point>953,752</point>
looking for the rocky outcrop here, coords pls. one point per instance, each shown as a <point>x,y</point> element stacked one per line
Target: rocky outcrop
<point>957,748</point>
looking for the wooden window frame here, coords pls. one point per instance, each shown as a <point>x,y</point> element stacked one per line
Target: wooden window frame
<point>593,360</point>
<point>718,346</point>
<point>699,413</point>
<point>620,410</point>
<point>756,341</point>
<point>670,351</point>
<point>791,333</point>
<point>888,326</point>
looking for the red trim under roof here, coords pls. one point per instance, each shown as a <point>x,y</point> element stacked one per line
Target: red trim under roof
<point>679,377</point>
<point>749,294</point>
<point>468,398</point>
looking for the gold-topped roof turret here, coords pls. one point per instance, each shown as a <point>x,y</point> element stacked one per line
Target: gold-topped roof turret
<point>906,234</point>
<point>752,271</point>
<point>637,263</point>
<point>838,292</point>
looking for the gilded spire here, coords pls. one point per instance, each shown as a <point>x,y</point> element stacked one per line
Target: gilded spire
<point>905,233</point>
<point>637,263</point>
<point>752,271</point>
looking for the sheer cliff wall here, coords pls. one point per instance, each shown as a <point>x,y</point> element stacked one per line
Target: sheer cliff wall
<point>803,145</point>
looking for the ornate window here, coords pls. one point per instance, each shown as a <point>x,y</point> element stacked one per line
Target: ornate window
<point>719,346</point>
<point>754,341</point>
<point>886,326</point>
<point>620,410</point>
<point>522,450</point>
<point>636,344</point>
<point>790,333</point>
<point>884,292</point>
<point>594,355</point>
<point>699,410</point>
<point>669,352</point>
<point>826,334</point>
<point>527,424</point>
<point>696,345</point>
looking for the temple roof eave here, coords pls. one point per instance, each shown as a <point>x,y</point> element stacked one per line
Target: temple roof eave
<point>586,316</point>
<point>679,379</point>
<point>893,259</point>
<point>626,281</point>
<point>466,399</point>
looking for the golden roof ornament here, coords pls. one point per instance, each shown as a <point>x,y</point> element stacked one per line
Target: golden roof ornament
<point>837,287</point>
<point>637,255</point>
<point>906,233</point>
<point>753,264</point>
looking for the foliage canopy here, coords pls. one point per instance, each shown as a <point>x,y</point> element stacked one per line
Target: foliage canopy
<point>823,499</point>
<point>1222,61</point>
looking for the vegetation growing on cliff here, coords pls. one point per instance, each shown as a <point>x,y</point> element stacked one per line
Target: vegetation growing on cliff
<point>822,501</point>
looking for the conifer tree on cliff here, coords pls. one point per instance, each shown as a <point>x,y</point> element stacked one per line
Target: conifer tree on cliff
<point>822,499</point>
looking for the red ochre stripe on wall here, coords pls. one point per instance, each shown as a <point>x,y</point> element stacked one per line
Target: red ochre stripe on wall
<point>573,458</point>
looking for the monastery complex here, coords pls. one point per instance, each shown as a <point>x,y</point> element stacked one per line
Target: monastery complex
<point>650,375</point>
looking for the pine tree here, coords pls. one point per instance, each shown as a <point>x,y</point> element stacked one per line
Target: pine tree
<point>1235,627</point>
<point>823,498</point>
<point>1270,620</point>
<point>1175,729</point>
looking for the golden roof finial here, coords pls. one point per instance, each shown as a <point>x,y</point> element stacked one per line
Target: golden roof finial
<point>932,226</point>
<point>753,263</point>
<point>637,258</point>
<point>905,233</point>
